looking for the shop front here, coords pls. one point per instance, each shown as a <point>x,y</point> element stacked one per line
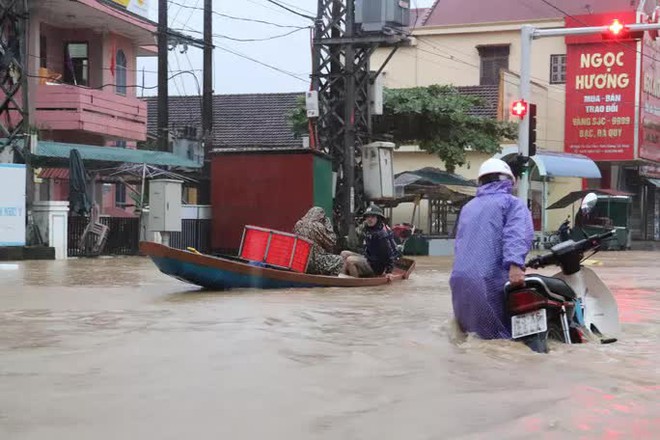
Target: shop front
<point>613,114</point>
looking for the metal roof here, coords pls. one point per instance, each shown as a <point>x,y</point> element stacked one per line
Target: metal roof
<point>112,154</point>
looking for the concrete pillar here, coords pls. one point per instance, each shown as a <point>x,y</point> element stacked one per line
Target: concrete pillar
<point>145,233</point>
<point>52,220</point>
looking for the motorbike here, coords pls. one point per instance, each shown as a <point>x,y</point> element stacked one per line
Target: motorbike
<point>573,306</point>
<point>564,230</point>
<point>402,233</point>
<point>562,234</point>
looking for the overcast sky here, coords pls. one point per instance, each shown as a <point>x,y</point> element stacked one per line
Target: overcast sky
<point>233,74</point>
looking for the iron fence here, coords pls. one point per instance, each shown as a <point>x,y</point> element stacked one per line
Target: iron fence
<point>194,233</point>
<point>123,235</point>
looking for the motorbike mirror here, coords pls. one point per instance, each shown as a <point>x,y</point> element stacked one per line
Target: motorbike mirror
<point>589,203</point>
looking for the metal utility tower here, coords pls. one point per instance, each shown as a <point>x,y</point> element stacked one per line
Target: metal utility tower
<point>341,76</point>
<point>14,115</point>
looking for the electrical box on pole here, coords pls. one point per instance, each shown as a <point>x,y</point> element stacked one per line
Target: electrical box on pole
<point>376,95</point>
<point>312,104</point>
<point>378,15</point>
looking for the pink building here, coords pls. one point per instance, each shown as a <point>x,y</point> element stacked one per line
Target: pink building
<point>83,71</point>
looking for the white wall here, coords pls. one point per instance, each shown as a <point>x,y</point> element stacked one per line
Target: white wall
<point>12,204</point>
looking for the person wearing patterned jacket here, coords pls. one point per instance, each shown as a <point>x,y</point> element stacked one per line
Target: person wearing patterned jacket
<point>494,236</point>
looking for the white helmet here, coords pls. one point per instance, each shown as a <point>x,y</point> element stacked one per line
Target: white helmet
<point>495,166</point>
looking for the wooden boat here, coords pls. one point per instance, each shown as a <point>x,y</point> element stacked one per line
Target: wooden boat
<point>222,273</point>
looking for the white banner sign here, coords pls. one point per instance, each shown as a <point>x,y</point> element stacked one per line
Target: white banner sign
<point>12,204</point>
<point>140,7</point>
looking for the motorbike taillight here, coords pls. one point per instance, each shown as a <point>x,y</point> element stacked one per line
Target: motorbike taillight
<point>525,300</point>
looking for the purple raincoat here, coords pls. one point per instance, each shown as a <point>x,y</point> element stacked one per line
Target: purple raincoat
<point>494,231</point>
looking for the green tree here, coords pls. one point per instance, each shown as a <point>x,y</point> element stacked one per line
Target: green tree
<point>298,119</point>
<point>437,118</point>
<point>440,120</point>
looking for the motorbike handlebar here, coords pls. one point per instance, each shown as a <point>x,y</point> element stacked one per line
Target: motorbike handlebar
<point>607,234</point>
<point>595,240</point>
<point>582,246</point>
<point>541,261</point>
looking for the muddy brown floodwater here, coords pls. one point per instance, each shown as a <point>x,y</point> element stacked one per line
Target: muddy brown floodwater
<point>112,349</point>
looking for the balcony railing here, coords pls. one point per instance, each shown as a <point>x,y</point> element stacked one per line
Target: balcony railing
<point>66,107</point>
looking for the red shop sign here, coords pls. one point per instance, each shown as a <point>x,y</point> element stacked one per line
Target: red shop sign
<point>600,100</point>
<point>649,138</point>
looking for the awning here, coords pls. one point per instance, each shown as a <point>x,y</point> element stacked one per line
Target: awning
<point>654,182</point>
<point>556,164</point>
<point>435,183</point>
<point>60,150</point>
<point>54,173</point>
<point>433,176</point>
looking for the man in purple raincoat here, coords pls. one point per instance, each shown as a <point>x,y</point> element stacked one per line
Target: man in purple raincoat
<point>494,235</point>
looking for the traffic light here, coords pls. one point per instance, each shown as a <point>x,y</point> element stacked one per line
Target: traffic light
<point>519,108</point>
<point>616,28</point>
<point>532,130</point>
<point>619,31</point>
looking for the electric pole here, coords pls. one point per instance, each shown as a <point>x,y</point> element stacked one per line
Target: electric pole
<point>163,91</point>
<point>348,168</point>
<point>207,100</point>
<point>14,107</point>
<point>341,76</point>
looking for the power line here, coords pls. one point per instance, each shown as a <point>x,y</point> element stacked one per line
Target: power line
<point>621,43</point>
<point>277,69</point>
<point>451,57</point>
<point>471,65</point>
<point>270,8</point>
<point>192,11</point>
<point>247,40</point>
<point>287,8</point>
<point>296,7</point>
<point>133,86</point>
<point>176,85</point>
<point>177,14</point>
<point>507,81</point>
<point>233,17</point>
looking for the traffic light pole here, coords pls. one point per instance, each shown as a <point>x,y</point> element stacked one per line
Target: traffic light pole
<point>528,34</point>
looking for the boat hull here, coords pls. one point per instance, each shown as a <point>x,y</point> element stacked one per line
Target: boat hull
<point>222,274</point>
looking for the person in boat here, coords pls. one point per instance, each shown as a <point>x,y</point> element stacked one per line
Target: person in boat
<point>317,227</point>
<point>494,236</point>
<point>380,250</point>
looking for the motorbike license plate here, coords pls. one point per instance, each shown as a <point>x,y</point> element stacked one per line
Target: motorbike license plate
<point>529,324</point>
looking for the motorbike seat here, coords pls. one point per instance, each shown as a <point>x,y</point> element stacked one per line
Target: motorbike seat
<point>555,285</point>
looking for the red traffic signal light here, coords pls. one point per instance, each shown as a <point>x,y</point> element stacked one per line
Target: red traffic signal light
<point>616,28</point>
<point>519,108</point>
<point>619,31</point>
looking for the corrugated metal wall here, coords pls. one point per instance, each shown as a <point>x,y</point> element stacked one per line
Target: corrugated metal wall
<point>269,189</point>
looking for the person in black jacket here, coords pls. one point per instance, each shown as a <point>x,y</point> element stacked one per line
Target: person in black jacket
<point>380,250</point>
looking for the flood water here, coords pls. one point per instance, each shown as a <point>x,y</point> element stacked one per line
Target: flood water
<point>112,349</point>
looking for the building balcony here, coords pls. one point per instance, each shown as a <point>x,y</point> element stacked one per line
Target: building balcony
<point>71,108</point>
